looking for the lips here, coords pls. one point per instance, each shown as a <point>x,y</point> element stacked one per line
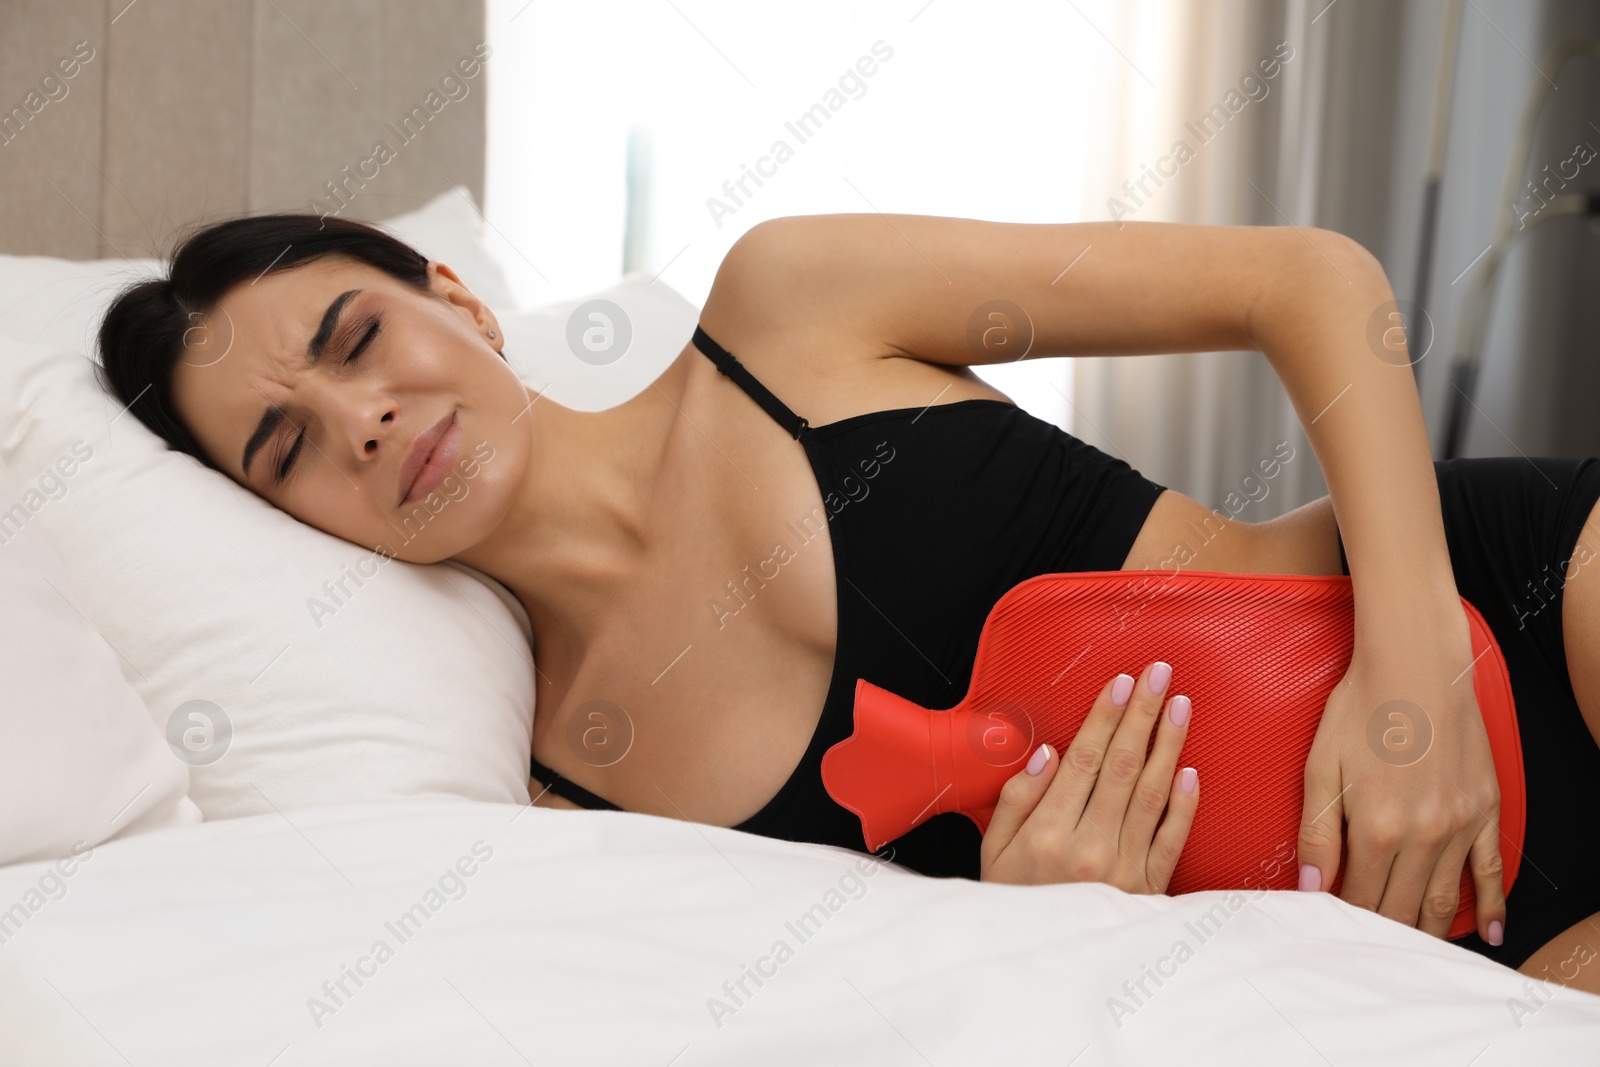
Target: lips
<point>419,454</point>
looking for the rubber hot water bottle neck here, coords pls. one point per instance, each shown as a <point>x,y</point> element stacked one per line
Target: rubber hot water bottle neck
<point>1257,654</point>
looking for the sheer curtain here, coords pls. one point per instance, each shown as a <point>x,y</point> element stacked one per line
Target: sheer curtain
<point>1302,112</point>
<point>614,127</point>
<point>1271,138</point>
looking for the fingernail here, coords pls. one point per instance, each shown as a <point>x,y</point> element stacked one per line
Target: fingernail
<point>1310,877</point>
<point>1040,757</point>
<point>1121,690</point>
<point>1497,932</point>
<point>1187,779</point>
<point>1160,674</point>
<point>1178,710</point>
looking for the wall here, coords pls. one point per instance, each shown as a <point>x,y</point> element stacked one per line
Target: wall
<point>191,110</point>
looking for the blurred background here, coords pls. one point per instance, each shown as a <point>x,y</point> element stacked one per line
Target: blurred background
<point>1456,139</point>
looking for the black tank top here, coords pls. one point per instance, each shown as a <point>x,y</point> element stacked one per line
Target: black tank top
<point>933,514</point>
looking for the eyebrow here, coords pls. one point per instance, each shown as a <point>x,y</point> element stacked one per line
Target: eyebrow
<point>273,417</point>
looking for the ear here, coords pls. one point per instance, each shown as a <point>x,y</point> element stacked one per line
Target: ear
<point>448,286</point>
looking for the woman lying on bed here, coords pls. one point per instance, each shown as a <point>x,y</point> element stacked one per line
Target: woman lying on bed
<point>818,489</point>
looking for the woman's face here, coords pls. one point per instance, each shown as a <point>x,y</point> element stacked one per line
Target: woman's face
<point>361,405</point>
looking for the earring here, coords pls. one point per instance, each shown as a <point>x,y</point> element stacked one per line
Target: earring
<point>491,335</point>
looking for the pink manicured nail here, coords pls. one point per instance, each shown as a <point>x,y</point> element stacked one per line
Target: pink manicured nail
<point>1121,690</point>
<point>1497,932</point>
<point>1178,710</point>
<point>1310,877</point>
<point>1160,675</point>
<point>1040,758</point>
<point>1187,779</point>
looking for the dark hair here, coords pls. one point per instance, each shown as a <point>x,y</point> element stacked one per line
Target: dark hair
<point>142,335</point>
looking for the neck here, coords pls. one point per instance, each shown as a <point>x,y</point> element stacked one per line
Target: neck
<point>576,533</point>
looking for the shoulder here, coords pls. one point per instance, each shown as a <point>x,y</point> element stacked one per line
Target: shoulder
<point>782,275</point>
<point>776,297</point>
<point>797,301</point>
<point>856,284</point>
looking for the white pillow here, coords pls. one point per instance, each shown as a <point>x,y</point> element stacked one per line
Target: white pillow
<point>596,351</point>
<point>420,681</point>
<point>79,760</point>
<point>410,680</point>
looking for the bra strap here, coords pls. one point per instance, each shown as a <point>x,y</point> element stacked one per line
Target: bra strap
<point>566,787</point>
<point>731,367</point>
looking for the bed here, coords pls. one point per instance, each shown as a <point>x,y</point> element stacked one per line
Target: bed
<point>265,800</point>
<point>450,931</point>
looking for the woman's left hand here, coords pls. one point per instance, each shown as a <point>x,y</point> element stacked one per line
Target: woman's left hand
<point>1402,755</point>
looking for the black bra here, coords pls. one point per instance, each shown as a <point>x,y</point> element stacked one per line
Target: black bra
<point>932,513</point>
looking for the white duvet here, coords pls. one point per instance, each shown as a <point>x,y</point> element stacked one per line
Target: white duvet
<point>453,932</point>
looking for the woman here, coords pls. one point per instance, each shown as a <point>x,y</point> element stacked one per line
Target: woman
<point>704,568</point>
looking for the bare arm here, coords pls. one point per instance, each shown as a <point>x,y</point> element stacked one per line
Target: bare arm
<point>928,288</point>
<point>925,287</point>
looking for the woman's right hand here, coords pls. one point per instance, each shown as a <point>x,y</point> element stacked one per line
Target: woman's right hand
<point>1105,815</point>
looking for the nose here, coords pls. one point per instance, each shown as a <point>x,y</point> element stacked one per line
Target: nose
<point>365,419</point>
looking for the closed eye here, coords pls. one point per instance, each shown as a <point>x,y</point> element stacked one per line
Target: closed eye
<point>374,325</point>
<point>288,461</point>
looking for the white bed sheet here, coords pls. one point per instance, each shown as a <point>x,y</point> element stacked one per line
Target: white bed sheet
<point>606,938</point>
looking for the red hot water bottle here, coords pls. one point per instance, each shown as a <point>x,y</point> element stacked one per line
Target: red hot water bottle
<point>1257,654</point>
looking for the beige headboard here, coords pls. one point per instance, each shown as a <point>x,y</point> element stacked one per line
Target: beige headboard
<point>180,111</point>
